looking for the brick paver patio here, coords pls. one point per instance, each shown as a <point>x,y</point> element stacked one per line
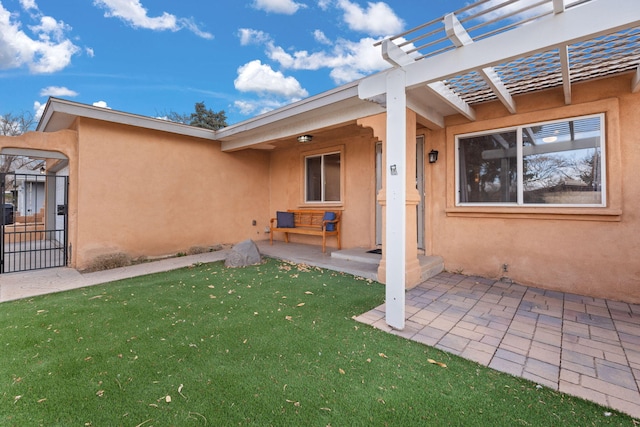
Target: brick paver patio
<point>587,347</point>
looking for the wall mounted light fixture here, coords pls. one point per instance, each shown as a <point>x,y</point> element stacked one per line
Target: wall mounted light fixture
<point>305,138</point>
<point>433,156</point>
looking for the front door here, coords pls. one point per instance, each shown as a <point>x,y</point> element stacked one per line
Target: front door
<point>419,186</point>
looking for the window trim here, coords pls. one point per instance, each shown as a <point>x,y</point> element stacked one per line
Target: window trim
<point>321,153</point>
<point>518,129</point>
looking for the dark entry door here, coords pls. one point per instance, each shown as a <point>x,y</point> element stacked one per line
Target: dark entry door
<point>33,222</point>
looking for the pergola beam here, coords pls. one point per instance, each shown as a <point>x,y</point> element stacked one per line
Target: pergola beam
<point>563,51</point>
<point>558,6</point>
<point>497,86</point>
<point>635,83</point>
<point>452,98</point>
<point>460,37</point>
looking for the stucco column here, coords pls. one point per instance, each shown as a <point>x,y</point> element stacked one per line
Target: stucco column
<point>412,264</point>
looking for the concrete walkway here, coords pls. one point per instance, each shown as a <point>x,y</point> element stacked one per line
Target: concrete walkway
<point>39,282</point>
<point>583,346</point>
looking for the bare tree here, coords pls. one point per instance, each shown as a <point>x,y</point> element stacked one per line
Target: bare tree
<point>13,125</point>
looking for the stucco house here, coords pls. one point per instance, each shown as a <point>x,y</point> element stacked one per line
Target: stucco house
<point>533,125</point>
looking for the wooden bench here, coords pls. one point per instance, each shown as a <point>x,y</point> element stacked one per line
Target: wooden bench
<point>309,222</point>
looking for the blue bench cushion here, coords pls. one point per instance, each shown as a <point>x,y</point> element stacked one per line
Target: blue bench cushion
<point>330,216</point>
<point>285,220</point>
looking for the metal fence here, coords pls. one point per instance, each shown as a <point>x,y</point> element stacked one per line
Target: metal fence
<point>33,222</point>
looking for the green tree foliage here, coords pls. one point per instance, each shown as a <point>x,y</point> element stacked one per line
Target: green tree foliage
<point>207,118</point>
<point>202,117</point>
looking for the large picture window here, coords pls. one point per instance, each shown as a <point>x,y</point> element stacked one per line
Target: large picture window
<point>550,163</point>
<point>322,178</point>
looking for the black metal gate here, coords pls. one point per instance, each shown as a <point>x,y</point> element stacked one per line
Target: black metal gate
<point>34,221</point>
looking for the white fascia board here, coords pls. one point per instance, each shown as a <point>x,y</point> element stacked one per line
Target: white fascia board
<point>328,116</point>
<point>588,21</point>
<point>287,112</point>
<point>74,109</point>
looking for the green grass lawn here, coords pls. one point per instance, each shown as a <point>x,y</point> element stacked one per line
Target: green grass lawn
<point>273,344</point>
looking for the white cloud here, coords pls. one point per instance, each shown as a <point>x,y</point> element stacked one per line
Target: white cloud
<point>259,106</point>
<point>348,60</point>
<point>250,36</point>
<point>321,37</point>
<point>28,4</point>
<point>132,12</point>
<point>89,52</point>
<point>58,91</point>
<point>39,109</point>
<point>377,20</point>
<point>324,4</point>
<point>101,104</point>
<point>287,7</point>
<point>260,78</point>
<point>49,52</point>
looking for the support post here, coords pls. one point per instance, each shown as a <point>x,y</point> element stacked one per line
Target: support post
<point>396,167</point>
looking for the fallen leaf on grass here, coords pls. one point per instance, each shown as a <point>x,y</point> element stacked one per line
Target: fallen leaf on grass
<point>341,371</point>
<point>294,402</point>
<point>42,400</point>
<point>289,318</point>
<point>442,365</point>
<point>15,399</point>
<point>309,293</point>
<point>100,393</point>
<point>300,305</point>
<point>167,398</point>
<point>383,355</point>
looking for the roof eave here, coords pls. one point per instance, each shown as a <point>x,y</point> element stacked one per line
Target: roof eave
<point>59,114</point>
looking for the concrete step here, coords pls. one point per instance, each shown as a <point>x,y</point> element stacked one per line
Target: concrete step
<point>358,255</point>
<point>430,266</point>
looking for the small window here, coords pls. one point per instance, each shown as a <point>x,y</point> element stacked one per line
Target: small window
<point>322,178</point>
<point>552,163</point>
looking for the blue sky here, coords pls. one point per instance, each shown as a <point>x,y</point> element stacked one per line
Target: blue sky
<point>149,57</point>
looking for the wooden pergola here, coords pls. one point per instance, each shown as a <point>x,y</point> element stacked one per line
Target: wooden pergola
<point>489,50</point>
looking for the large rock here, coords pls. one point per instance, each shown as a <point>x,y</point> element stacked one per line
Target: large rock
<point>243,254</point>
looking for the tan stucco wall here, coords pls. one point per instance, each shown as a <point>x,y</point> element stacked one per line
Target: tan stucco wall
<point>590,251</point>
<point>358,204</point>
<point>149,193</point>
